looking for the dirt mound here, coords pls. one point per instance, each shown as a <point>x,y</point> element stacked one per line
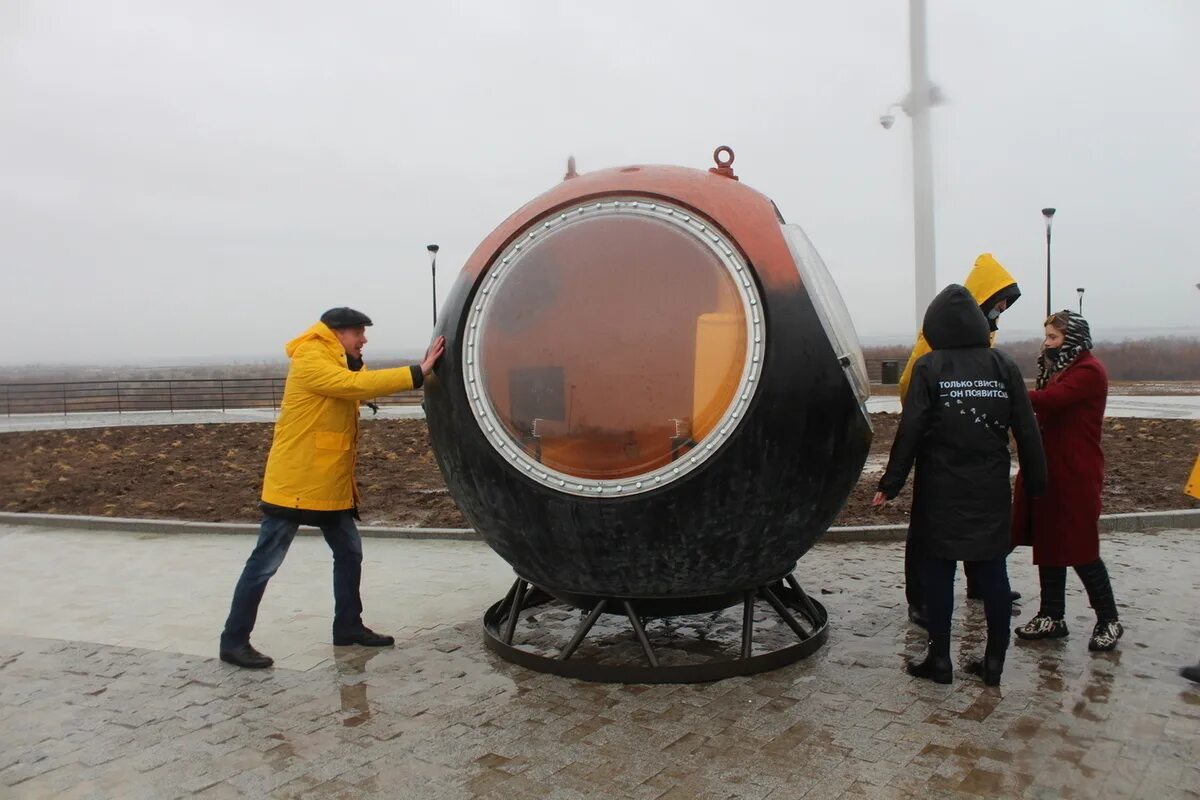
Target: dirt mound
<point>214,472</point>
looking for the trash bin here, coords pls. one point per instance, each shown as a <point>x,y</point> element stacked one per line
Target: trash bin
<point>889,373</point>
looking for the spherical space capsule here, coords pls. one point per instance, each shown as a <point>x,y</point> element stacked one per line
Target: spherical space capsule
<point>652,399</point>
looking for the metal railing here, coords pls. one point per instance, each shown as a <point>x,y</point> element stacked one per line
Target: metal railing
<point>191,394</point>
<point>185,394</point>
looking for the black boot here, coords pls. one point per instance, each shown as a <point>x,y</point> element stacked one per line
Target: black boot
<point>989,668</point>
<point>936,668</point>
<point>1192,673</point>
<point>247,657</point>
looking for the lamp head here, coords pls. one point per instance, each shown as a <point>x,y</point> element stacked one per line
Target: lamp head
<point>1048,213</point>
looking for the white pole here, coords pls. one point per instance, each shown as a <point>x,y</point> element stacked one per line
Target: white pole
<point>918,109</point>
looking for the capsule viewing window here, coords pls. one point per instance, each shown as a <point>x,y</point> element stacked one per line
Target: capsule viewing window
<point>831,310</point>
<point>613,346</point>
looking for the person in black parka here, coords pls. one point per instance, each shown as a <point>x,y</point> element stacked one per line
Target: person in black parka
<point>963,399</point>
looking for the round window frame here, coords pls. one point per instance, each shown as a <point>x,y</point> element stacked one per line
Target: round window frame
<point>493,277</point>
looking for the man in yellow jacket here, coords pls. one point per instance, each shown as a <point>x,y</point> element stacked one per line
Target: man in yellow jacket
<point>310,474</point>
<point>995,290</point>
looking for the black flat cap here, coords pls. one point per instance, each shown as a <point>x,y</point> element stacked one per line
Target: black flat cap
<point>345,318</point>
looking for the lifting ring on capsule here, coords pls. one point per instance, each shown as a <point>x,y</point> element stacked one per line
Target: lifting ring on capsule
<point>723,156</point>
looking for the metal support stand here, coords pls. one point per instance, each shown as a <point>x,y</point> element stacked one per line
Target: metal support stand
<point>518,595</point>
<point>582,630</point>
<point>806,618</point>
<point>747,624</point>
<point>641,633</point>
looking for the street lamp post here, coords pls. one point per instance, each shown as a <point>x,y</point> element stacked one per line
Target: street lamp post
<point>1080,290</point>
<point>433,251</point>
<point>1048,213</point>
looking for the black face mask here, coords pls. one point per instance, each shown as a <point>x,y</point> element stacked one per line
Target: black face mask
<point>1051,354</point>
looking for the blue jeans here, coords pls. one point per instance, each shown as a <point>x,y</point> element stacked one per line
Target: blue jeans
<point>274,539</point>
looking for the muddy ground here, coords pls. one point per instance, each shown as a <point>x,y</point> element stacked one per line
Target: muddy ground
<point>213,472</point>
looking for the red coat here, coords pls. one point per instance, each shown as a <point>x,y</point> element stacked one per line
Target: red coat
<point>1062,524</point>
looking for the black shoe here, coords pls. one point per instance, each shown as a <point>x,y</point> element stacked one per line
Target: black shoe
<point>1192,673</point>
<point>366,637</point>
<point>917,617</point>
<point>934,668</point>
<point>974,595</point>
<point>1042,627</point>
<point>988,668</point>
<point>1105,636</point>
<point>247,657</point>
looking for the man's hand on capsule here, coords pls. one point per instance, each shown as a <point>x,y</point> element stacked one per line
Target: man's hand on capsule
<point>432,355</point>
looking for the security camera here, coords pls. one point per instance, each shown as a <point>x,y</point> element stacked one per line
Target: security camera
<point>886,121</point>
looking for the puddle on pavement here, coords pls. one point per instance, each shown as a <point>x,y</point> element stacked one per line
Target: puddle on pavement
<point>351,670</point>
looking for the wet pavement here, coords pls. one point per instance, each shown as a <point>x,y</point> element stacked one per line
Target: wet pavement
<point>109,688</point>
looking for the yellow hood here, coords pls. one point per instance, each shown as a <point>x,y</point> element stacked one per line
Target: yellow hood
<point>988,278</point>
<point>988,283</point>
<point>320,332</point>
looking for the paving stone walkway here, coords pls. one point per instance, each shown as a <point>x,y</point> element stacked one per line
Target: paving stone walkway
<point>439,716</point>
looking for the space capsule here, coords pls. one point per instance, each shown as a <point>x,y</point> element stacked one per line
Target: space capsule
<point>651,389</point>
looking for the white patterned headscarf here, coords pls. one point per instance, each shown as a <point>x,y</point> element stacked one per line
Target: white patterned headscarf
<point>1076,339</point>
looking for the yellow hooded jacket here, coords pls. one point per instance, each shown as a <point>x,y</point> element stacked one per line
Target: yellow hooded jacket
<point>988,283</point>
<point>1193,485</point>
<point>311,465</point>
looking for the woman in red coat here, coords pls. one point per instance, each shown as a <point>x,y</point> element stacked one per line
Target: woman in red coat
<point>1062,524</point>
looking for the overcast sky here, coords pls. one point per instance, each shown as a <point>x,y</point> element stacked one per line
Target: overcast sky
<point>202,179</point>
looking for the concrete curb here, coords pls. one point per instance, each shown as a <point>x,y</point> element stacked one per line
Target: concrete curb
<point>1109,523</point>
<point>164,526</point>
<point>1188,518</point>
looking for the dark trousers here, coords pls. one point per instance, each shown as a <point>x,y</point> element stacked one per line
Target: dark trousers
<point>991,579</point>
<point>914,590</point>
<point>1095,582</point>
<point>274,538</point>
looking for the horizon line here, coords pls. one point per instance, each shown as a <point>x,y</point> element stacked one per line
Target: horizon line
<point>866,340</point>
